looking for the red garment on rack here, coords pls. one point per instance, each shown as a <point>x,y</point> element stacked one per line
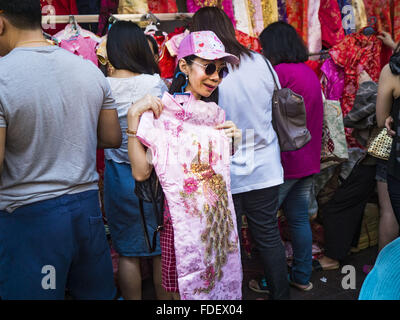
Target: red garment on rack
<point>396,21</point>
<point>162,6</point>
<point>297,16</point>
<point>331,23</point>
<point>356,53</point>
<point>58,7</point>
<point>249,42</point>
<point>166,62</point>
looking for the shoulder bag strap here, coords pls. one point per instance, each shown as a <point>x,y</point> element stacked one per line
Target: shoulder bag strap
<point>270,69</point>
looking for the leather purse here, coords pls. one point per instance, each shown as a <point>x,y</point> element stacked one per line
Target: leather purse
<point>380,144</point>
<point>151,191</point>
<point>289,118</point>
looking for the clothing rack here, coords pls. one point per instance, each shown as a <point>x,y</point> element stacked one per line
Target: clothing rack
<point>322,52</point>
<point>94,18</point>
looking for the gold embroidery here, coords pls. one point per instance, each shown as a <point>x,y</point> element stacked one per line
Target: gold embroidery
<point>270,11</point>
<point>219,223</point>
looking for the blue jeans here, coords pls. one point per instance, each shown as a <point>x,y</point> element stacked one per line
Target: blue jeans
<point>51,245</point>
<point>294,197</point>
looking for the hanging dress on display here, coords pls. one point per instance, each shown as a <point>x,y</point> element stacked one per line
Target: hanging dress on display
<point>297,15</point>
<point>282,15</point>
<point>332,31</point>
<point>192,162</point>
<point>314,27</point>
<point>356,53</point>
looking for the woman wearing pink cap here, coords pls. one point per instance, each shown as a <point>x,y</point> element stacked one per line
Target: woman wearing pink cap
<point>191,145</point>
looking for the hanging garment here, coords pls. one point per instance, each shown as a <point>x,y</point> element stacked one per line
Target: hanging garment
<point>257,16</point>
<point>192,162</point>
<point>380,9</point>
<point>83,47</point>
<point>226,5</point>
<point>348,18</point>
<point>107,8</point>
<point>355,54</point>
<point>57,7</point>
<point>360,14</point>
<point>396,21</point>
<point>331,23</point>
<point>249,42</point>
<point>166,62</point>
<point>314,27</point>
<point>297,15</point>
<point>132,6</point>
<point>333,80</point>
<point>242,16</point>
<point>269,11</point>
<point>162,6</point>
<point>282,15</point>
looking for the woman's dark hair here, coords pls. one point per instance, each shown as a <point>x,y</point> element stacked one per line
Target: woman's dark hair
<point>128,49</point>
<point>153,42</point>
<point>179,82</point>
<point>23,14</point>
<point>216,20</point>
<point>281,44</point>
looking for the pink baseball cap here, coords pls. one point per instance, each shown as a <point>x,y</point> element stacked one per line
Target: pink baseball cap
<point>205,45</point>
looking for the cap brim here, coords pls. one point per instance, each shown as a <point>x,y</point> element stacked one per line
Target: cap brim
<point>230,58</point>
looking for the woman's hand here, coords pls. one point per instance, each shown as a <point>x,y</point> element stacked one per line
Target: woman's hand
<point>147,103</point>
<point>388,125</point>
<point>387,39</point>
<point>232,132</point>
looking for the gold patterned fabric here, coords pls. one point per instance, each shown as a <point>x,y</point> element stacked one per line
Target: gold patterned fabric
<point>132,6</point>
<point>270,11</point>
<point>360,14</point>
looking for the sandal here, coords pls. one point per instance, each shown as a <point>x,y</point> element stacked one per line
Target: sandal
<point>259,286</point>
<point>301,287</point>
<point>316,266</point>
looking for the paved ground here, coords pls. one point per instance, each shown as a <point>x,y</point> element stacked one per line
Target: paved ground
<point>329,290</point>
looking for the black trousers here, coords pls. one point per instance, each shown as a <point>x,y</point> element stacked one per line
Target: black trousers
<point>342,215</point>
<point>260,208</point>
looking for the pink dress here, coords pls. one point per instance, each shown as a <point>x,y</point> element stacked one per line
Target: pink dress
<point>192,162</point>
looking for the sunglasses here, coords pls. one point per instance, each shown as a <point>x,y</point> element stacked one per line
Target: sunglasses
<point>210,68</point>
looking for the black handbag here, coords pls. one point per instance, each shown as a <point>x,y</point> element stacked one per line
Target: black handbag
<point>151,191</point>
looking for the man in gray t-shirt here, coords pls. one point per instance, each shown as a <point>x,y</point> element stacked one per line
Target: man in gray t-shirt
<point>55,110</point>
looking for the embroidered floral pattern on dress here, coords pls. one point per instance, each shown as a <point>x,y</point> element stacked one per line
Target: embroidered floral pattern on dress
<point>193,169</point>
<point>201,178</point>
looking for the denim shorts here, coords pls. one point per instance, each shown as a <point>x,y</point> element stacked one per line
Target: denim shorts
<point>381,170</point>
<point>53,245</point>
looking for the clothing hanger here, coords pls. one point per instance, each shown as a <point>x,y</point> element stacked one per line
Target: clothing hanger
<point>370,29</point>
<point>182,93</point>
<point>153,26</point>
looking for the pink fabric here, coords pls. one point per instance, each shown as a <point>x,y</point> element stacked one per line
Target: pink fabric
<point>314,27</point>
<point>302,80</point>
<point>258,19</point>
<point>227,6</point>
<point>83,47</point>
<point>206,45</point>
<point>334,82</point>
<point>192,162</point>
